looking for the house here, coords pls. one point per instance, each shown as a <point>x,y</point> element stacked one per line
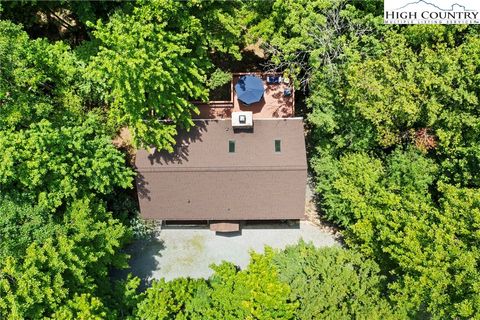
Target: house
<point>237,165</point>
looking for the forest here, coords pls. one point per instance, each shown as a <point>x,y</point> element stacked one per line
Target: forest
<point>393,137</point>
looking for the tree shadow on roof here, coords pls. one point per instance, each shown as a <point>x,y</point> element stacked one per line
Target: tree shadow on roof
<point>142,189</point>
<point>181,149</point>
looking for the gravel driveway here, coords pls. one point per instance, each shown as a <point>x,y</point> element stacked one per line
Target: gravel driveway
<point>188,252</point>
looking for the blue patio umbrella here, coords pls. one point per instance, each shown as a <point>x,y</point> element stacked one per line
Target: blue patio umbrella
<point>249,89</point>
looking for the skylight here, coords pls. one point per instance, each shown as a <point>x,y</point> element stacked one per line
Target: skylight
<point>278,145</point>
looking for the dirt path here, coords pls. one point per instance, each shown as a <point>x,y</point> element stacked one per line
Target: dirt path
<point>312,214</point>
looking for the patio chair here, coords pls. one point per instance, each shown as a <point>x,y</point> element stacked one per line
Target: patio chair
<point>287,92</point>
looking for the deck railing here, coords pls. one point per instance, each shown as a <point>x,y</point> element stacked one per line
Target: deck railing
<point>229,103</point>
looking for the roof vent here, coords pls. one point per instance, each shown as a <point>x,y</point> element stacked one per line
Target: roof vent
<point>243,119</point>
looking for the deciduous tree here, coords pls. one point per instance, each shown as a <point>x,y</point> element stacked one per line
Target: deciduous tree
<point>53,165</point>
<point>334,283</point>
<point>153,62</point>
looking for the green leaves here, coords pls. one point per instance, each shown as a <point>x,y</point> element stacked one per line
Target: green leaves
<point>57,241</point>
<point>177,299</point>
<point>154,62</point>
<point>82,307</point>
<point>62,271</point>
<point>395,140</point>
<point>438,256</point>
<point>393,123</point>
<point>219,78</point>
<point>300,282</point>
<point>404,90</point>
<point>59,110</point>
<point>54,165</point>
<point>253,293</point>
<point>333,283</point>
<point>21,224</point>
<point>347,184</point>
<point>428,251</point>
<point>38,80</point>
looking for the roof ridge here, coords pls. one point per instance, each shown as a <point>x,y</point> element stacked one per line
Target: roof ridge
<point>225,168</point>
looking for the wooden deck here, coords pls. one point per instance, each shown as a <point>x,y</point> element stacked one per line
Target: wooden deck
<point>273,104</point>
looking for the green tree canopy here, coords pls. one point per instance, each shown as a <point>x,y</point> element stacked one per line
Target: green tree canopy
<point>153,62</point>
<point>38,80</point>
<point>427,250</point>
<point>55,165</point>
<point>253,293</point>
<point>65,266</point>
<point>333,283</point>
<point>393,129</point>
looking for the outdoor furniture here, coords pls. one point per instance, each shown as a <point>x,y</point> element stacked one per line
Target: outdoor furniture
<point>287,92</point>
<point>249,89</point>
<point>274,79</point>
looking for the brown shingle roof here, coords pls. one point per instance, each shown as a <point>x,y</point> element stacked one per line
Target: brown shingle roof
<point>202,180</point>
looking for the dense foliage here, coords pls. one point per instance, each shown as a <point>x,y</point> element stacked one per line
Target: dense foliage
<point>61,268</point>
<point>253,293</point>
<point>153,62</point>
<point>38,79</point>
<point>333,283</point>
<point>58,166</point>
<point>393,137</point>
<point>301,282</point>
<point>54,165</point>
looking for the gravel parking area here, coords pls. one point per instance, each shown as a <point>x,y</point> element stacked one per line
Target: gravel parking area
<point>188,252</point>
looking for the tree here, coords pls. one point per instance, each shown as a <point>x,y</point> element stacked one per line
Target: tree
<point>333,283</point>
<point>58,242</point>
<point>153,62</point>
<point>430,89</point>
<point>393,114</point>
<point>38,80</point>
<point>253,293</point>
<point>58,19</point>
<point>438,255</point>
<point>344,191</point>
<point>177,299</point>
<point>61,272</point>
<point>307,38</point>
<point>22,224</point>
<point>427,250</point>
<point>52,165</point>
<point>82,307</point>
